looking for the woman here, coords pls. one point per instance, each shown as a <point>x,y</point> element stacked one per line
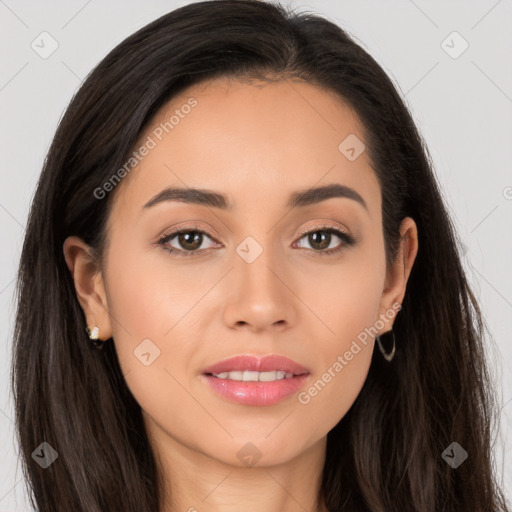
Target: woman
<point>239,211</point>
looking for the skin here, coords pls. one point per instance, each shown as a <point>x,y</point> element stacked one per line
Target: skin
<point>257,143</point>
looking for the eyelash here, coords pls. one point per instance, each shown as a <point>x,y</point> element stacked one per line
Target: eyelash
<point>347,239</point>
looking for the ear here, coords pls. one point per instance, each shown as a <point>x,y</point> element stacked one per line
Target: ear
<point>89,285</point>
<point>398,274</point>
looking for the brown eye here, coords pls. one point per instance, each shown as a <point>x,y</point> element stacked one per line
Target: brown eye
<point>320,239</point>
<point>321,242</point>
<point>188,241</point>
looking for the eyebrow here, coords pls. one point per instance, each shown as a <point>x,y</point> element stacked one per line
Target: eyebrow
<point>214,199</point>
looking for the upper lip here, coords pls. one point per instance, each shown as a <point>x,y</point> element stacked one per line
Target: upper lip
<point>267,363</point>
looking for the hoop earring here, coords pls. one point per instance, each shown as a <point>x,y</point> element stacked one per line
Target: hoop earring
<point>94,336</point>
<point>387,356</point>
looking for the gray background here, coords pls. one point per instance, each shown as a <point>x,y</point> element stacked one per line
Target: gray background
<point>462,107</point>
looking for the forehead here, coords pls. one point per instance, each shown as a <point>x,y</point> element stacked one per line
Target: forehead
<point>249,140</point>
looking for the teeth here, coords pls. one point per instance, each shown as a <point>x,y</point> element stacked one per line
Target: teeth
<point>250,376</point>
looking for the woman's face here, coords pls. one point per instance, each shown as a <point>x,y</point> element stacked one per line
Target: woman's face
<point>253,284</point>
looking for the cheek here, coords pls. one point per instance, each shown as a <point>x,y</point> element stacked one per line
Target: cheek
<point>347,300</point>
<point>149,311</point>
<point>333,391</point>
<point>136,299</point>
<point>149,293</point>
<point>345,295</point>
<point>344,358</point>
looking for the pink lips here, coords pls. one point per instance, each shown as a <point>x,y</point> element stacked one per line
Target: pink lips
<point>252,363</point>
<point>256,392</point>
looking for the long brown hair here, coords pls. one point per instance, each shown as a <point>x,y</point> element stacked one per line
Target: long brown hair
<point>385,454</point>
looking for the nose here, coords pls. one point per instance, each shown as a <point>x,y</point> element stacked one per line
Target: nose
<point>260,295</point>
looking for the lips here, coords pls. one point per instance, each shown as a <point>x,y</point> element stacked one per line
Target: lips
<point>268,363</point>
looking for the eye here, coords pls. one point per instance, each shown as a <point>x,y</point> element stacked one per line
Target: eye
<point>189,238</point>
<point>320,238</point>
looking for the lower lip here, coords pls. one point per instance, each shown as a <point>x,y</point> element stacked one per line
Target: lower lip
<point>256,393</point>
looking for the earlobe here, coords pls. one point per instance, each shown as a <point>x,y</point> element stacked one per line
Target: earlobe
<point>89,285</point>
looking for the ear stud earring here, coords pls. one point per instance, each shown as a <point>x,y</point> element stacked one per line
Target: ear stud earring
<point>94,336</point>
